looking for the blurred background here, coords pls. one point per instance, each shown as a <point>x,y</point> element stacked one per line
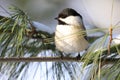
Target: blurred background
<point>43,11</point>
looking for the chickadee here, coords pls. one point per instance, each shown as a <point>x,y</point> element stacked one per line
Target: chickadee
<point>70,35</point>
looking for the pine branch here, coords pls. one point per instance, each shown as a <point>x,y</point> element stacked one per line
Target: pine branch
<point>50,59</point>
<point>30,33</point>
<point>37,59</point>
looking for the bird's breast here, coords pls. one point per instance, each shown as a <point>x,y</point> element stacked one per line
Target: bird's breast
<point>69,39</point>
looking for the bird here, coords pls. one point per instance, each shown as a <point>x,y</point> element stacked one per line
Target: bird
<point>70,34</point>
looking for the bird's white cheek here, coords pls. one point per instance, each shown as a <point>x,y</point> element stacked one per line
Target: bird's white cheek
<point>72,20</point>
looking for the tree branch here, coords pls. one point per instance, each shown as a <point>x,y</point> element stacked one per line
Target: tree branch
<point>49,59</point>
<point>37,59</point>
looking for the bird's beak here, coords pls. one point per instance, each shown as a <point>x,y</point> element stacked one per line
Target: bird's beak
<point>56,18</point>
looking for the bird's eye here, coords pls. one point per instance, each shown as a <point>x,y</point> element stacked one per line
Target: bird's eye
<point>62,16</point>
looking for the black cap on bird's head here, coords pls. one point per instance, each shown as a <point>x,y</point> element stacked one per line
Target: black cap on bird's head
<point>68,12</point>
<point>65,14</point>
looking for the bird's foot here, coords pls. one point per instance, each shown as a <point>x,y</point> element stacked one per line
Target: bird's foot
<point>78,57</point>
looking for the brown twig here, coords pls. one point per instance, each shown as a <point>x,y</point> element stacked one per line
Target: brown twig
<point>111,28</point>
<point>37,59</point>
<point>110,40</point>
<point>48,59</point>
